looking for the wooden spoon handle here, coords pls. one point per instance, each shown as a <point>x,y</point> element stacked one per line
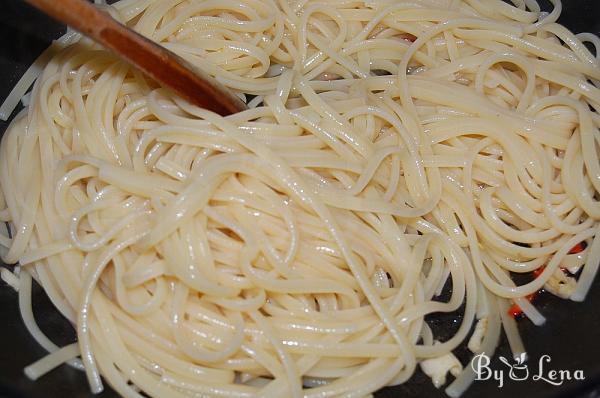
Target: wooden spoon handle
<point>156,61</point>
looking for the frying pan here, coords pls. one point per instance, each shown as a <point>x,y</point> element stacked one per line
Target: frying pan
<point>571,335</point>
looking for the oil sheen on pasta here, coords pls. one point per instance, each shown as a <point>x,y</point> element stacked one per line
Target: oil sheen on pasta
<point>294,249</point>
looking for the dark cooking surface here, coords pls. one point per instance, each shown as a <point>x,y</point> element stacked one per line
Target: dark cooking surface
<point>570,336</point>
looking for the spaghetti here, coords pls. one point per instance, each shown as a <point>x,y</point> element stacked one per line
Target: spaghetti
<point>295,249</point>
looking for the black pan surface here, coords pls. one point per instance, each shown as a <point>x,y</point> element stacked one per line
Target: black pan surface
<point>571,336</point>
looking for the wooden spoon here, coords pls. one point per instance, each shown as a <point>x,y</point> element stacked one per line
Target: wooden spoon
<point>156,61</point>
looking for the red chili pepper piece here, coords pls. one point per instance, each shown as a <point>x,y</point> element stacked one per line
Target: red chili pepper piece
<point>408,36</point>
<point>514,309</point>
<point>578,248</point>
<point>538,271</point>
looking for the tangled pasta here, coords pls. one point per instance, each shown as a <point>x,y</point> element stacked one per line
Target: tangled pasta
<point>390,148</point>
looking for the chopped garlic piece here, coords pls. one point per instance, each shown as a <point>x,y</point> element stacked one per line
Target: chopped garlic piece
<point>438,368</point>
<point>477,336</point>
<point>560,284</point>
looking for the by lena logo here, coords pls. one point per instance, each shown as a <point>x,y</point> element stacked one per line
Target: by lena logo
<point>520,371</point>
